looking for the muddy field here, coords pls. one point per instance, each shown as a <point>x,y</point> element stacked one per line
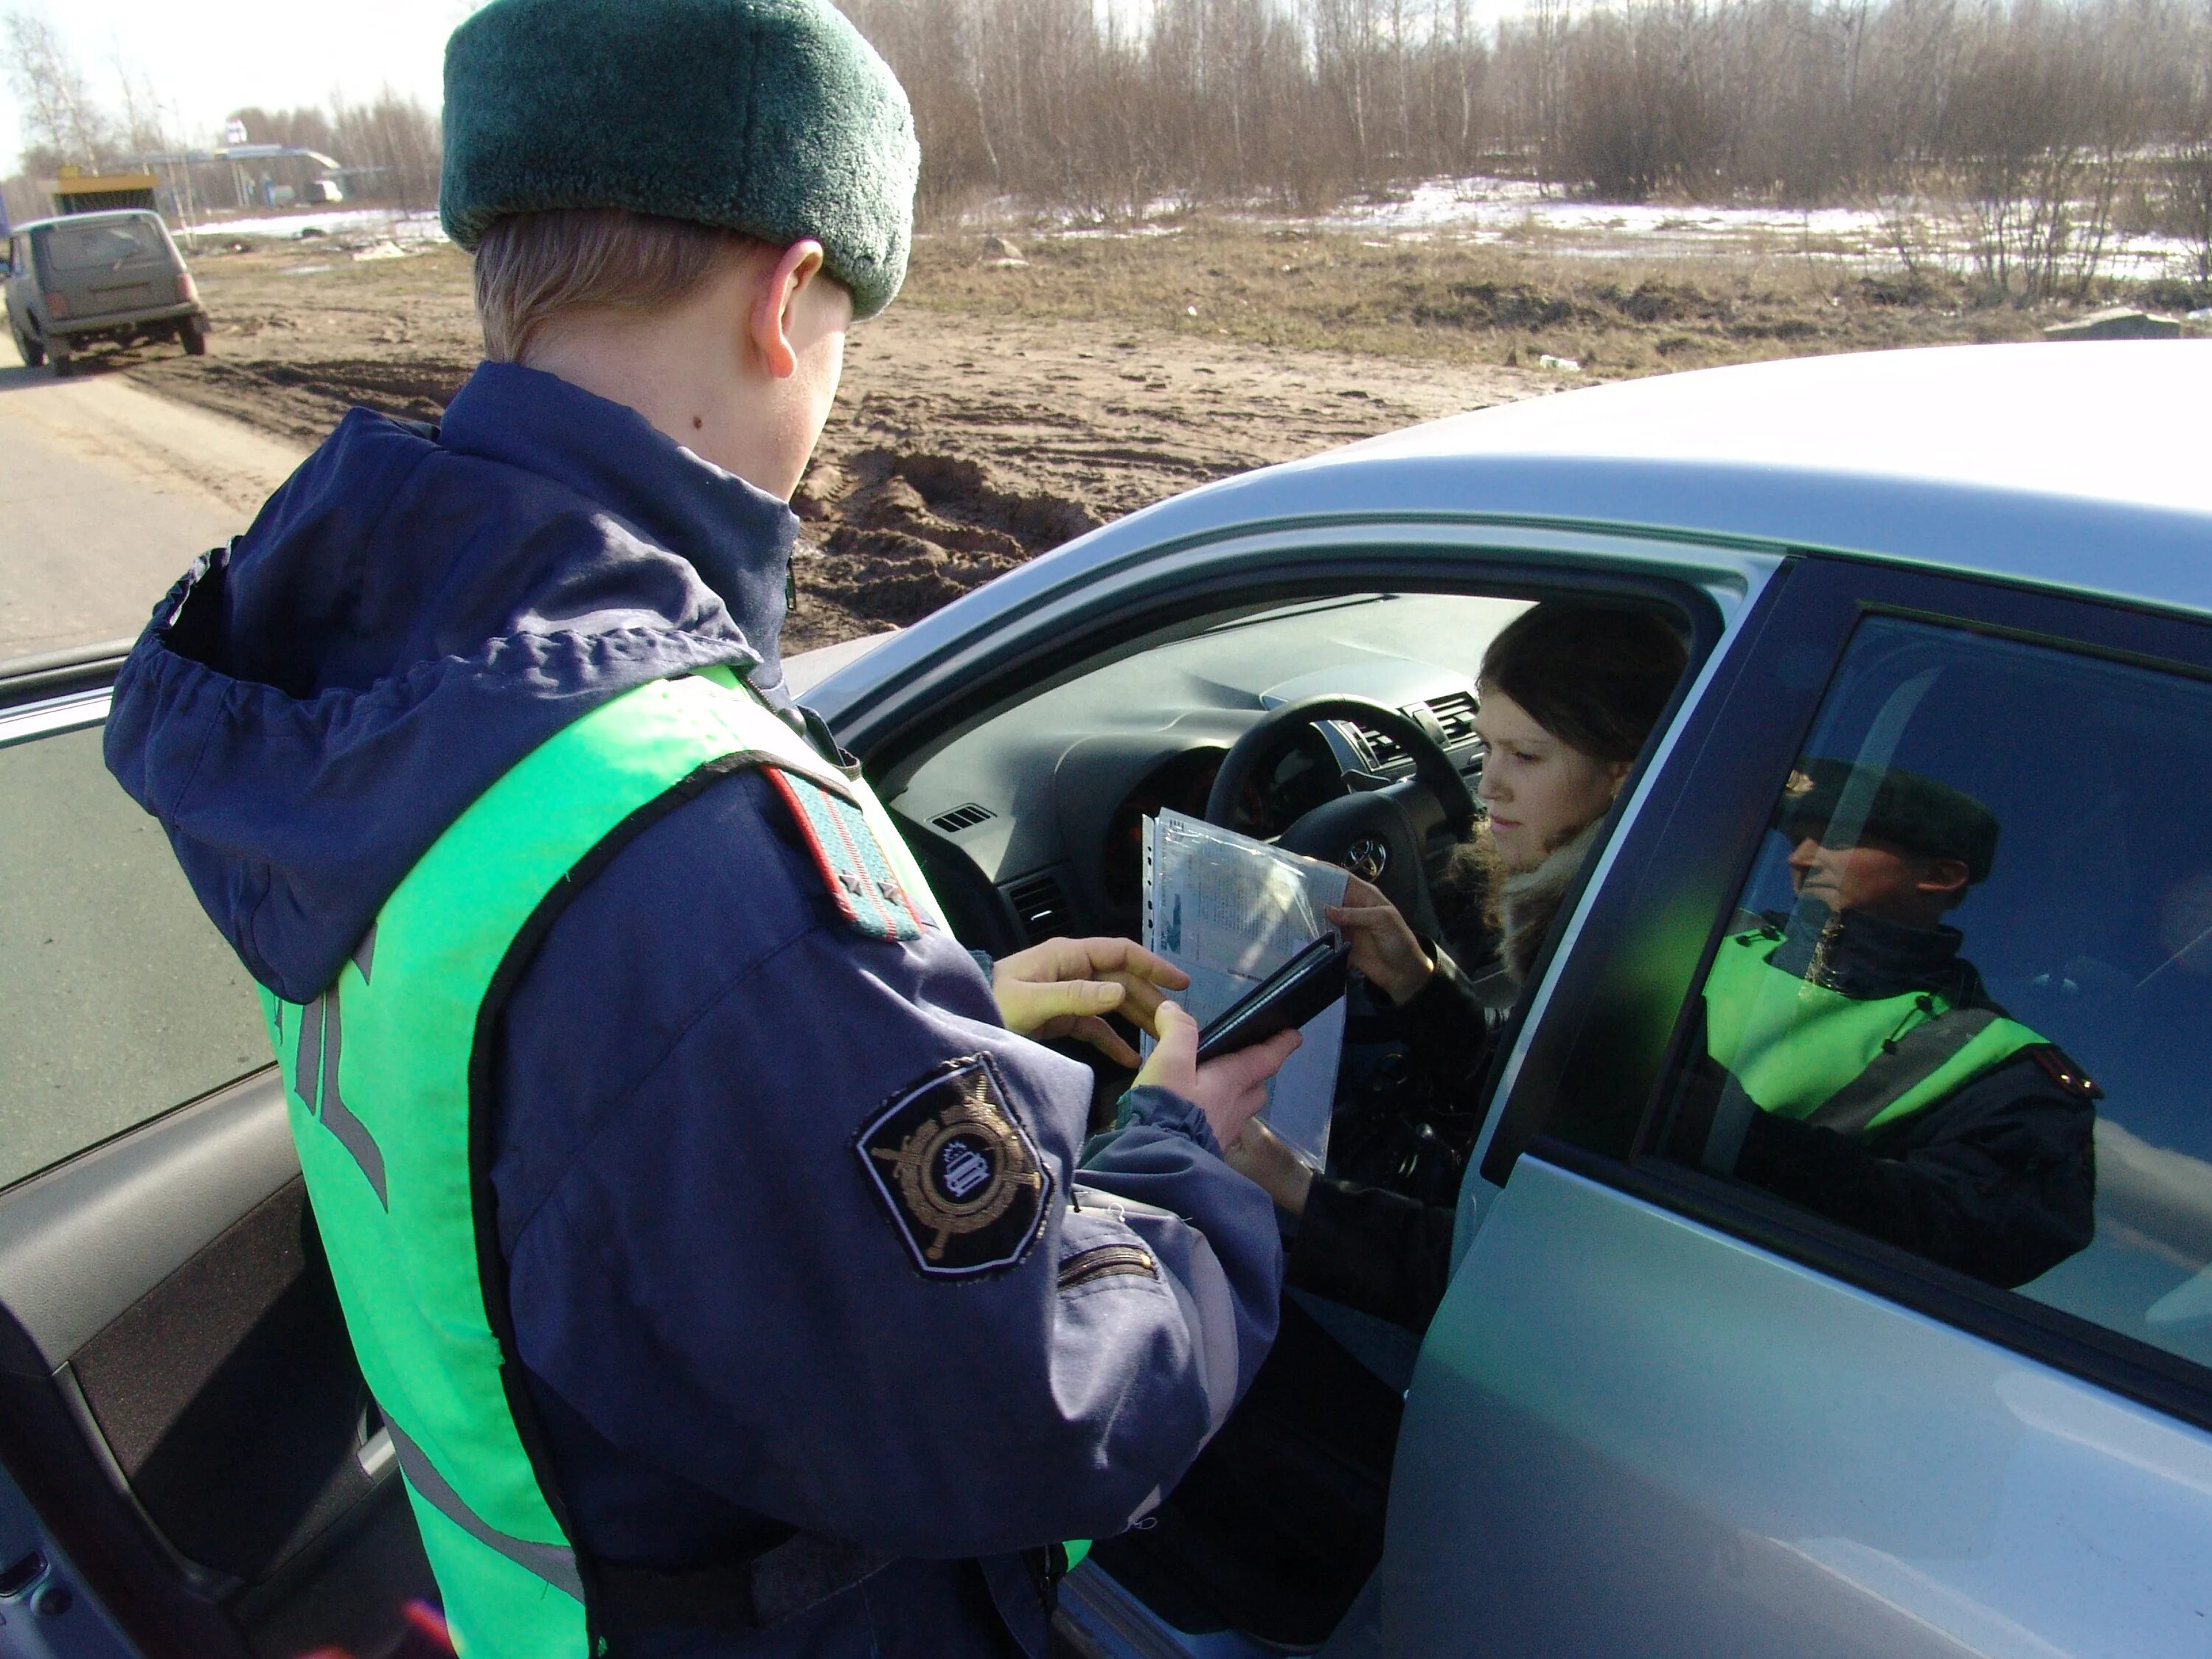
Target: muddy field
<point>1017,396</point>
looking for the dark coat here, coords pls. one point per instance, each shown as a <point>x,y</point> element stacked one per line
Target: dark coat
<point>724,1333</point>
<point>1997,1180</point>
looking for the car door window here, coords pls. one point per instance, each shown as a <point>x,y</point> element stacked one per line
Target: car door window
<point>118,997</point>
<point>1965,1006</point>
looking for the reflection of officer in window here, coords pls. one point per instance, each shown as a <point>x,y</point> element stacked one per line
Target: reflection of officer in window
<point>1893,1095</point>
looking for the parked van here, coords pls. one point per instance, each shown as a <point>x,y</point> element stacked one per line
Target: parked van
<point>98,276</point>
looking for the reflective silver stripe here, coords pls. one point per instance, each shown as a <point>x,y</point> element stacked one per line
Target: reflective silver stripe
<point>554,1563</point>
<point>337,1117</point>
<point>1898,1070</point>
<point>307,1058</point>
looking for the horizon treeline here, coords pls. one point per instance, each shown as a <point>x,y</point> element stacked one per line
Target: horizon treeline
<point>1303,103</point>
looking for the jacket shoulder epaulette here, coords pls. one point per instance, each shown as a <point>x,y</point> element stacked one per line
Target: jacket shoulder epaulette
<point>855,871</point>
<point>2060,1067</point>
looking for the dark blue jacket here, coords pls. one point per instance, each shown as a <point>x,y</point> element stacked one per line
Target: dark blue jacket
<point>726,1334</point>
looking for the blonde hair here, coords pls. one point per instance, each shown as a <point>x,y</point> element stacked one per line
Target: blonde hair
<point>532,268</point>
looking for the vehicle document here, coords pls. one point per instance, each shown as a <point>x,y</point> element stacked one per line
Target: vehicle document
<point>1229,911</point>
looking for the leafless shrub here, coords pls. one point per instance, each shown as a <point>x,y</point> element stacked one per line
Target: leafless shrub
<point>2040,113</point>
<point>2017,134</point>
<point>2184,172</point>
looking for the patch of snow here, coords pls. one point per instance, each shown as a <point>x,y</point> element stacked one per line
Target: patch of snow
<point>1490,209</point>
<point>384,223</point>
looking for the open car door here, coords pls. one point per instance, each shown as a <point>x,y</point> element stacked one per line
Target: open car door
<point>192,1466</point>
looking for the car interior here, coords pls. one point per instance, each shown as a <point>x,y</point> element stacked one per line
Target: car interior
<point>177,1399</point>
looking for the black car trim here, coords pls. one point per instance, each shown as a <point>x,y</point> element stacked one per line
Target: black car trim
<point>26,680</point>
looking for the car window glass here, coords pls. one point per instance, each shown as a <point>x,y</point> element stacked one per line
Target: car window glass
<point>118,997</point>
<point>1965,1006</point>
<point>92,248</point>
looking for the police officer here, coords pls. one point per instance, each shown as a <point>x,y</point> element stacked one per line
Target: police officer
<point>731,1276</point>
<point>1873,1079</point>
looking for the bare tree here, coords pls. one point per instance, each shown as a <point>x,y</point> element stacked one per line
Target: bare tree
<point>59,112</point>
<point>143,131</point>
<point>2046,118</point>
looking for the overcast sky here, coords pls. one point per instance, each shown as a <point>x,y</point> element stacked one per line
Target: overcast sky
<point>208,57</point>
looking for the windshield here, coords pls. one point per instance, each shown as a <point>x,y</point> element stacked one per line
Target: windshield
<point>108,243</point>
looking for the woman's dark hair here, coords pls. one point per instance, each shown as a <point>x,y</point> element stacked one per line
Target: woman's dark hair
<point>1596,678</point>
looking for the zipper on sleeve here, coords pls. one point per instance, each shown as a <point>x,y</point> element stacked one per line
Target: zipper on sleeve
<point>1105,1261</point>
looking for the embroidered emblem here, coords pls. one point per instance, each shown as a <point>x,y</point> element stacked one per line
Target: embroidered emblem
<point>957,1174</point>
<point>853,865</point>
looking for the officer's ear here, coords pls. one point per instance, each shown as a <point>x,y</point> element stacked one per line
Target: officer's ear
<point>1945,878</point>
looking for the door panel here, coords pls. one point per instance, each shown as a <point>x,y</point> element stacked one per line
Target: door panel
<point>1663,1411</point>
<point>1718,1451</point>
<point>83,1242</point>
<point>185,1396</point>
<point>179,1406</point>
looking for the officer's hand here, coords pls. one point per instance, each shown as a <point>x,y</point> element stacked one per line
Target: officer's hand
<point>1383,948</point>
<point>1063,986</point>
<point>1228,1089</point>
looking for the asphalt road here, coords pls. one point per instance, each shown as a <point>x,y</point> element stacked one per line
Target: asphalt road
<point>107,493</point>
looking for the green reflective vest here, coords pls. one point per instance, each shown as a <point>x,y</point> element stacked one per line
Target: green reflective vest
<point>385,1073</point>
<point>1800,1050</point>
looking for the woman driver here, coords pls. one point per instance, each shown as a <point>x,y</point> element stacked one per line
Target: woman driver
<point>1568,695</point>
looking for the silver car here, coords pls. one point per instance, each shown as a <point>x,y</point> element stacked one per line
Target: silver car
<point>92,277</point>
<point>1663,1409</point>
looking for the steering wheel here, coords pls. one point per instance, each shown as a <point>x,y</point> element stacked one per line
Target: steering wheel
<point>1383,834</point>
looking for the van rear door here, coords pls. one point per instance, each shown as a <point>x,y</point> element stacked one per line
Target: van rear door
<point>109,266</point>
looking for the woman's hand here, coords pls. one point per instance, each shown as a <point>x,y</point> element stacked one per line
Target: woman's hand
<point>1064,987</point>
<point>1262,1155</point>
<point>1383,948</point>
<point>1228,1089</point>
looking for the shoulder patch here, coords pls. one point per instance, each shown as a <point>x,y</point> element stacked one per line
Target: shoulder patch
<point>2061,1070</point>
<point>956,1172</point>
<point>853,864</point>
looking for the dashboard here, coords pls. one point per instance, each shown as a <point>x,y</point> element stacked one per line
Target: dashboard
<point>1047,798</point>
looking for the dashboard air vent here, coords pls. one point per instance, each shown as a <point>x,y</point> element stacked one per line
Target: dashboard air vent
<point>1455,712</point>
<point>1042,906</point>
<point>1382,749</point>
<point>962,817</point>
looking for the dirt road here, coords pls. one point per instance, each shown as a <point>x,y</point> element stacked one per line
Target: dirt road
<point>107,493</point>
<point>964,442</point>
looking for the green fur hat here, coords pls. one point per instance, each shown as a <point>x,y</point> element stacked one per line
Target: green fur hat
<point>772,118</point>
<point>1918,814</point>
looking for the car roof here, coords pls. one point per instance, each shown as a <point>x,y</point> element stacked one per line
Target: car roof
<point>2081,466</point>
<point>92,218</point>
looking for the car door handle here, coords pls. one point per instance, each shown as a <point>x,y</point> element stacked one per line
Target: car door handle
<point>375,1455</point>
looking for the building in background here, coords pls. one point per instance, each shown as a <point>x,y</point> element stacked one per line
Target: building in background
<point>78,191</point>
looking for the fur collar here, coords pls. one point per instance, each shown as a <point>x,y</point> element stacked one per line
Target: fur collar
<point>1531,899</point>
